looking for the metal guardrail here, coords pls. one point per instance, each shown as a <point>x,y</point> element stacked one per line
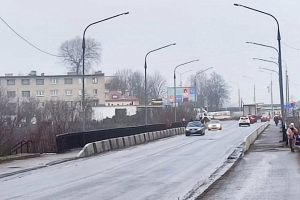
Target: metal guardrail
<point>21,147</point>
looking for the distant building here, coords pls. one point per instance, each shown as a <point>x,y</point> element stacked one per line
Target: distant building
<point>54,87</point>
<point>115,98</point>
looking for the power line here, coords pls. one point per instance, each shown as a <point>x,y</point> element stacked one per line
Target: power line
<point>290,46</point>
<point>50,54</point>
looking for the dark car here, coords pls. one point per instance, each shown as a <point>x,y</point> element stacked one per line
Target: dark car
<point>195,127</point>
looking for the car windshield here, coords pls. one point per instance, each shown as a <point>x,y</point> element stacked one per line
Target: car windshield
<point>244,118</point>
<point>214,122</point>
<point>194,124</point>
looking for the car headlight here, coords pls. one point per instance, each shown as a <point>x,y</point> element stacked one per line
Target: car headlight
<point>209,125</point>
<point>187,129</point>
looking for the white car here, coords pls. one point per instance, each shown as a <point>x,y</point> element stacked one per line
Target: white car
<point>244,121</point>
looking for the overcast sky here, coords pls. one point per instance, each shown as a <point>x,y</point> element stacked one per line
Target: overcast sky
<point>213,31</point>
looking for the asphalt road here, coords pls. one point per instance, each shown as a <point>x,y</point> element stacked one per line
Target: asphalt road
<point>165,169</point>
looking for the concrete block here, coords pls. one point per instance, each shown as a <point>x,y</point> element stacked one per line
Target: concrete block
<point>169,132</point>
<point>113,143</point>
<point>106,145</point>
<point>142,138</point>
<point>154,135</point>
<point>89,149</point>
<point>165,133</point>
<point>158,134</point>
<point>173,132</point>
<point>150,136</point>
<point>99,147</point>
<point>131,140</point>
<point>120,142</point>
<point>126,141</point>
<point>146,135</point>
<point>137,139</point>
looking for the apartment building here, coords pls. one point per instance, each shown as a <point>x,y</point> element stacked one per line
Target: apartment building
<point>54,87</point>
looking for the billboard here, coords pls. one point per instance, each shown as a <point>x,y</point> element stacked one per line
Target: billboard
<point>183,94</point>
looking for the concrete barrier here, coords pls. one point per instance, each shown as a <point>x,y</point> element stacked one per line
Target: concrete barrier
<point>106,145</point>
<point>142,138</point>
<point>146,135</point>
<point>249,139</point>
<point>99,147</point>
<point>151,136</point>
<point>137,139</point>
<point>113,143</point>
<point>131,140</point>
<point>120,142</point>
<point>126,141</point>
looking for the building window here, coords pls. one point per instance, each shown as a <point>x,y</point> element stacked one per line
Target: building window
<point>94,80</point>
<point>54,93</point>
<point>54,81</point>
<point>25,81</point>
<point>80,92</point>
<point>25,93</point>
<point>41,104</point>
<point>69,92</point>
<point>95,102</point>
<point>114,96</point>
<point>95,91</point>
<point>68,81</point>
<point>40,93</point>
<point>11,94</point>
<point>11,82</point>
<point>39,81</point>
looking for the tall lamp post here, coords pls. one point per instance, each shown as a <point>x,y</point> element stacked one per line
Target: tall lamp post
<point>279,61</point>
<point>195,80</point>
<point>181,76</point>
<point>287,88</point>
<point>254,87</point>
<point>83,69</point>
<point>239,93</point>
<point>175,83</point>
<point>271,74</point>
<point>145,66</point>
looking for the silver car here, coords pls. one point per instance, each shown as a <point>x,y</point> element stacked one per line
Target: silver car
<point>195,127</point>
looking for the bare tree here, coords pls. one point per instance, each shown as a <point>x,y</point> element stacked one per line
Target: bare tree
<point>157,86</point>
<point>71,54</point>
<point>213,90</point>
<point>129,81</point>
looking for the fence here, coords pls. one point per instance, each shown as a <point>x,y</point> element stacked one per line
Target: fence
<point>69,141</point>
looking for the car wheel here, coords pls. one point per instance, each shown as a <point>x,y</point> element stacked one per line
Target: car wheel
<point>239,125</point>
<point>187,134</point>
<point>248,124</point>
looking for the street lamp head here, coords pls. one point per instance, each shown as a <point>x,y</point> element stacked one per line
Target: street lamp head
<point>126,13</point>
<point>173,44</point>
<point>237,4</point>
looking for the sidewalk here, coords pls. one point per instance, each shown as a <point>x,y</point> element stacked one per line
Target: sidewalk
<point>267,171</point>
<point>18,166</point>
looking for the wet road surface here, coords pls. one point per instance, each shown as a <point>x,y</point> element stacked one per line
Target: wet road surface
<point>165,169</point>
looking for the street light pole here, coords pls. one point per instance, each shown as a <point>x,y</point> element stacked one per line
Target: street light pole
<point>181,76</point>
<point>175,83</point>
<point>272,105</point>
<point>279,62</point>
<point>195,85</point>
<point>83,69</point>
<point>240,108</point>
<point>146,100</point>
